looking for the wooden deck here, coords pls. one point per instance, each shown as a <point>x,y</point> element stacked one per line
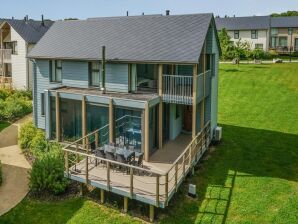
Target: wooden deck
<point>155,183</point>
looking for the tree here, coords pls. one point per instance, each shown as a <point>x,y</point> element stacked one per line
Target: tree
<point>226,44</point>
<point>288,13</point>
<point>241,50</point>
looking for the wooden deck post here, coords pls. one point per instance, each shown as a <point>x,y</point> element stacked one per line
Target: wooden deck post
<point>151,213</point>
<point>166,188</point>
<point>102,196</point>
<point>108,175</point>
<point>125,204</point>
<point>66,163</point>
<point>57,117</point>
<point>131,182</point>
<point>96,139</point>
<point>146,124</point>
<point>194,100</point>
<point>84,122</point>
<point>176,177</point>
<point>111,121</point>
<point>157,191</point>
<point>87,170</point>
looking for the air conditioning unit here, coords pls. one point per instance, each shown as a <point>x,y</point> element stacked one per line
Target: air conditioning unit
<point>192,190</point>
<point>218,134</point>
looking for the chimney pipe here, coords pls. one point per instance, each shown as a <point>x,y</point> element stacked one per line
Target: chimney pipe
<point>42,20</point>
<point>167,12</point>
<point>143,14</point>
<point>126,13</point>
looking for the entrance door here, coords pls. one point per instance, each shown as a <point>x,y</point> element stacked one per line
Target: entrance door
<point>187,124</point>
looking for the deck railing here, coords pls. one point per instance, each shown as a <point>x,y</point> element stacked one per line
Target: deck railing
<point>6,54</point>
<point>177,88</point>
<point>138,182</point>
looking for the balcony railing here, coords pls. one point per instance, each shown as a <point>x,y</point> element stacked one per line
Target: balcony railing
<point>177,89</point>
<point>5,54</point>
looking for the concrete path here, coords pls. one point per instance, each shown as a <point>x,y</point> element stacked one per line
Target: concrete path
<point>14,168</point>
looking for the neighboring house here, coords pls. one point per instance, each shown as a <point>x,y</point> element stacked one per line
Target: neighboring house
<point>264,32</point>
<point>17,38</point>
<point>284,34</point>
<point>153,89</point>
<point>254,29</point>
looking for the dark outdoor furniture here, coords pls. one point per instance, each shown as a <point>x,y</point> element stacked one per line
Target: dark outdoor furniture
<point>100,153</point>
<point>121,159</point>
<point>139,161</point>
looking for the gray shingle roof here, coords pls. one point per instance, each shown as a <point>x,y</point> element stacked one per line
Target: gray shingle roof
<point>243,23</point>
<point>291,21</point>
<point>31,31</point>
<point>175,38</point>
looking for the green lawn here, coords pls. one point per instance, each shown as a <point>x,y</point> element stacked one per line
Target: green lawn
<point>251,177</point>
<point>3,124</point>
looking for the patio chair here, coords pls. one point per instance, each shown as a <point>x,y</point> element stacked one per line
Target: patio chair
<point>121,159</point>
<point>100,153</point>
<point>139,162</point>
<point>110,156</point>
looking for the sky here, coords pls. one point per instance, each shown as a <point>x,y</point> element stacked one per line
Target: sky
<point>82,9</point>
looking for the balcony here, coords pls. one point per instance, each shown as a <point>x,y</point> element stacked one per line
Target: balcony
<point>6,55</point>
<point>178,89</point>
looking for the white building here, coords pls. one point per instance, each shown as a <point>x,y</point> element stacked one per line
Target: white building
<point>254,29</point>
<point>264,32</point>
<point>17,38</point>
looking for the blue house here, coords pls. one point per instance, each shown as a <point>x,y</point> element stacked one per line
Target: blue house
<point>144,83</point>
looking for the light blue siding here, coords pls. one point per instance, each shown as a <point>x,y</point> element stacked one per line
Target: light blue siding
<point>200,88</point>
<point>175,122</point>
<point>75,74</point>
<point>41,83</point>
<point>117,77</point>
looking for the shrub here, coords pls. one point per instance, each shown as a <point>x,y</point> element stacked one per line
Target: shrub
<point>26,135</point>
<point>47,174</point>
<point>15,107</point>
<point>39,144</point>
<point>0,173</point>
<point>27,94</point>
<point>4,94</point>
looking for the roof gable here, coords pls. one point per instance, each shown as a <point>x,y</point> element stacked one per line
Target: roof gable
<point>31,31</point>
<point>175,38</point>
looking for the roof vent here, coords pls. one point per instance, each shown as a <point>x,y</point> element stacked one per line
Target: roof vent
<point>26,18</point>
<point>167,12</point>
<point>126,13</point>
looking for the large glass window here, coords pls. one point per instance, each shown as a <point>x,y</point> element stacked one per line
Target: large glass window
<point>128,127</point>
<point>55,70</point>
<point>70,119</point>
<point>274,31</point>
<point>94,73</point>
<point>283,41</point>
<point>98,118</point>
<point>147,75</point>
